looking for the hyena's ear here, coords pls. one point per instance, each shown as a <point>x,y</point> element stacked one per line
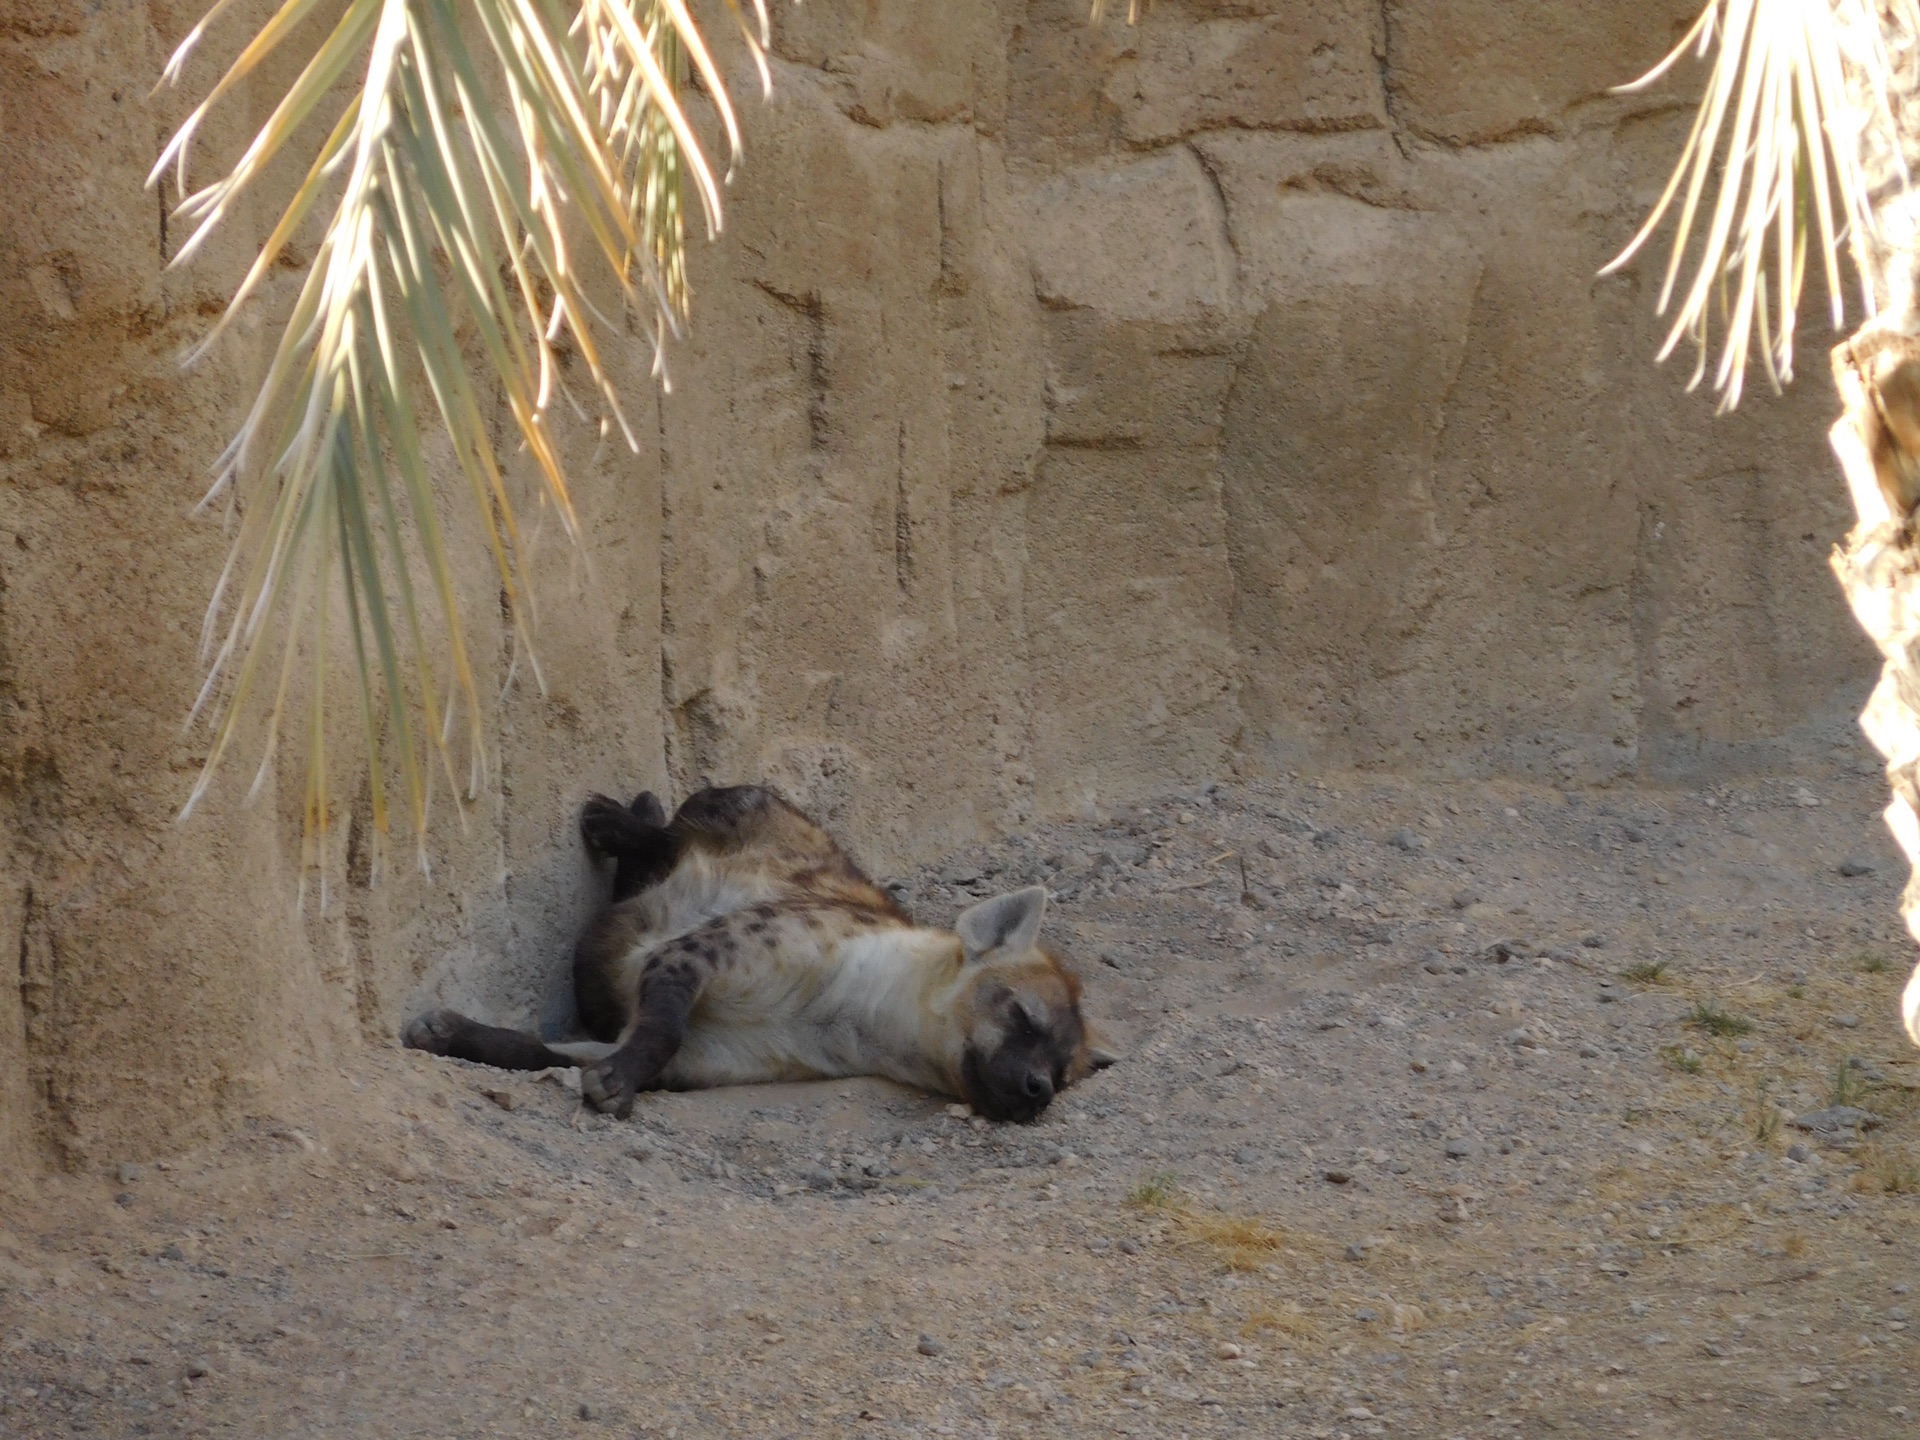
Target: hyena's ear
<point>1006,922</point>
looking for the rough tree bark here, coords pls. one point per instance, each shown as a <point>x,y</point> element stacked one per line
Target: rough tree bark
<point>1877,440</point>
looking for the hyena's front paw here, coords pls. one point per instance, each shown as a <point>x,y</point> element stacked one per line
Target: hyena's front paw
<point>609,1086</point>
<point>434,1032</point>
<point>607,826</point>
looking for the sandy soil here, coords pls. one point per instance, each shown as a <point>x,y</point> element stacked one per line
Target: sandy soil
<point>1458,1112</point>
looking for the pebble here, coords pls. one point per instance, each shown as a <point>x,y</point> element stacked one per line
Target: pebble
<point>1849,1022</point>
<point>1338,1177</point>
<point>929,1346</point>
<point>1412,841</point>
<point>586,1412</point>
<point>1589,1051</point>
<point>1799,1153</point>
<point>129,1174</point>
<point>1460,1149</point>
<point>1464,898</point>
<point>1129,1246</point>
<point>1227,1350</point>
<point>1836,1120</point>
<point>1853,867</point>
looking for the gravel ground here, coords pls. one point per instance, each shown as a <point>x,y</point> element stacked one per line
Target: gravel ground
<point>1447,1111</point>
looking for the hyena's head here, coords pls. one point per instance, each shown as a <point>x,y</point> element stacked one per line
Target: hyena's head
<point>1023,1036</point>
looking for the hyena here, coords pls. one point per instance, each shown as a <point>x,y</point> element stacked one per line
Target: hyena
<point>743,945</point>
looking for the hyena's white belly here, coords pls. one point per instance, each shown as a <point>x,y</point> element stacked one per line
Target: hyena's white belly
<point>854,1010</point>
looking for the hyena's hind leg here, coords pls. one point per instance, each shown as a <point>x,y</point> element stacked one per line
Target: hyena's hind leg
<point>635,837</point>
<point>670,985</point>
<point>448,1032</point>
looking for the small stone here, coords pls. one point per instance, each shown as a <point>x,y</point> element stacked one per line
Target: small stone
<point>199,1368</point>
<point>1338,1177</point>
<point>1594,942</point>
<point>1848,1022</point>
<point>1245,1155</point>
<point>1460,1148</point>
<point>1836,1120</point>
<point>123,1199</point>
<point>1128,1246</point>
<point>1356,1252</point>
<point>1366,1315</point>
<point>820,1179</point>
<point>929,1346</point>
<point>1227,1350</point>
<point>1589,1051</point>
<point>129,1174</point>
<point>505,1099</point>
<point>1853,867</point>
<point>586,1412</point>
<point>1462,899</point>
<point>1799,1153</point>
<point>1418,1066</point>
<point>1408,840</point>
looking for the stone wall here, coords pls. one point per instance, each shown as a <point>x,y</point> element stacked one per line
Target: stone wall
<point>1071,414</point>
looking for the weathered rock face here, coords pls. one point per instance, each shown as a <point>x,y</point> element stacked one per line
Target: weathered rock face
<point>1071,413</point>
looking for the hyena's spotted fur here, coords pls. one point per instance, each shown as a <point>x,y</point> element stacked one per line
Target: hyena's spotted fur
<point>743,945</point>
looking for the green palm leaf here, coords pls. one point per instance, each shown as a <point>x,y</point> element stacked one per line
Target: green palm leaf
<point>1778,137</point>
<point>485,137</point>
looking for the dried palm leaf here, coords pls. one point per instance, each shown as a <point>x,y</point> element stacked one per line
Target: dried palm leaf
<point>1792,86</point>
<point>484,138</point>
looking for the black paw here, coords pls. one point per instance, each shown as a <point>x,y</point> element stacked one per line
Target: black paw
<point>607,826</point>
<point>434,1032</point>
<point>646,808</point>
<point>609,1087</point>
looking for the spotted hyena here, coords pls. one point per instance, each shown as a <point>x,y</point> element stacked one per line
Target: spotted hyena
<point>742,945</point>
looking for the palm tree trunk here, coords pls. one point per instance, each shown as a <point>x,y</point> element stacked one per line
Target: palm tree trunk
<point>1877,440</point>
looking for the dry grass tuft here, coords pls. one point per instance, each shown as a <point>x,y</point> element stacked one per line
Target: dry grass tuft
<point>1887,1170</point>
<point>1240,1242</point>
<point>1158,1191</point>
<point>1288,1319</point>
<point>1708,1016</point>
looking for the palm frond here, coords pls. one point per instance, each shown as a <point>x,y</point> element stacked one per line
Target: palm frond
<point>1778,133</point>
<point>485,138</point>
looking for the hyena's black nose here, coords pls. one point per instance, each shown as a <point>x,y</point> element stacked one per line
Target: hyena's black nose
<point>1038,1087</point>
